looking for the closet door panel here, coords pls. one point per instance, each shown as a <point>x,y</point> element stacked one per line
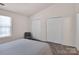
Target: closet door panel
<point>36,29</point>
<point>55,30</point>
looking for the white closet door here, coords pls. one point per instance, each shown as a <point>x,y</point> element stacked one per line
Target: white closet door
<point>55,30</point>
<point>77,31</point>
<point>36,29</point>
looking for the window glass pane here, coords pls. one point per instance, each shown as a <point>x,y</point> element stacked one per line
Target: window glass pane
<point>5,21</point>
<point>5,26</point>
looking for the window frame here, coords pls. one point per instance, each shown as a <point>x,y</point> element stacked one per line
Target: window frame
<point>10,27</point>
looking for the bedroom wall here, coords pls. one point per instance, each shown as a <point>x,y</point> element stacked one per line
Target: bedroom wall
<point>20,24</point>
<point>63,10</point>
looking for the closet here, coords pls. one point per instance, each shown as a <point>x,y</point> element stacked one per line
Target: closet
<point>36,29</point>
<point>55,26</point>
<point>57,29</point>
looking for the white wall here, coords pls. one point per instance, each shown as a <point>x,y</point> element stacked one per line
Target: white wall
<point>20,24</point>
<point>58,10</point>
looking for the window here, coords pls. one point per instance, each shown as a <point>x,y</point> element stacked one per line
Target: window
<point>5,26</point>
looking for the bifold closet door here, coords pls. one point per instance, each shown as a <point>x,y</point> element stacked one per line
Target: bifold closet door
<point>36,29</point>
<point>55,30</point>
<point>77,31</point>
